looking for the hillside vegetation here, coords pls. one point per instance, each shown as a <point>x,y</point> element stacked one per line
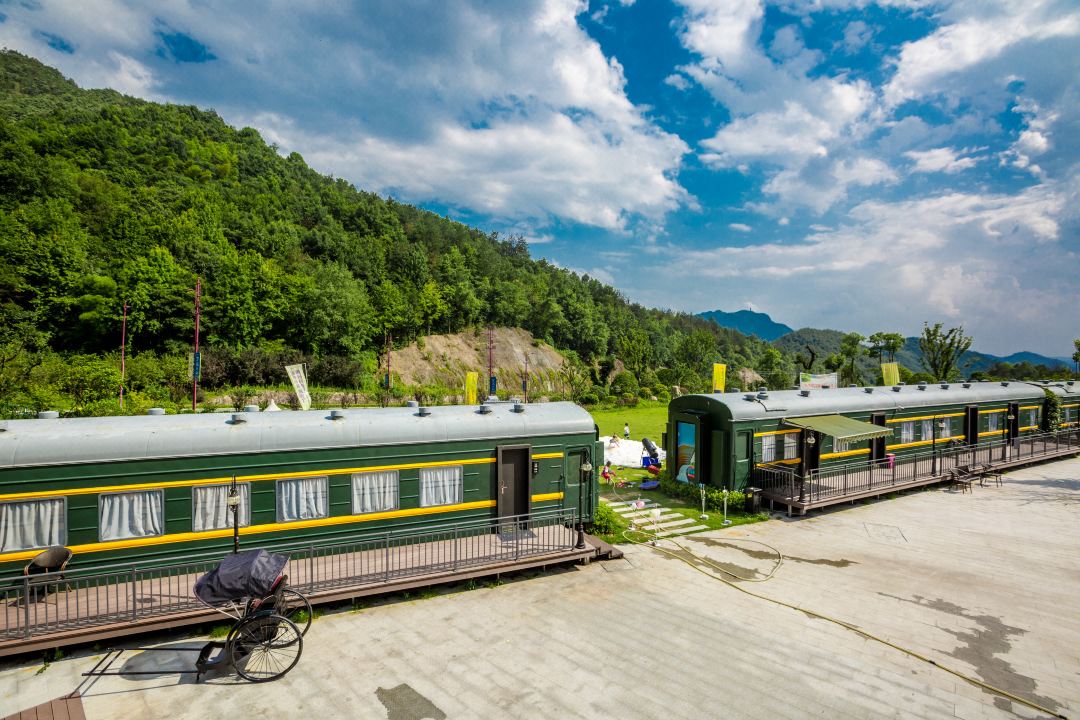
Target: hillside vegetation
<point>107,200</point>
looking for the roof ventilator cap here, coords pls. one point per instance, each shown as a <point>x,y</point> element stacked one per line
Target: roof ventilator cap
<point>412,403</point>
<point>750,396</point>
<point>337,414</point>
<point>423,411</point>
<point>156,411</point>
<point>519,408</point>
<point>1004,383</point>
<point>922,386</point>
<point>238,418</point>
<point>944,386</point>
<point>48,415</point>
<point>251,408</point>
<point>3,427</point>
<point>868,389</point>
<point>763,395</point>
<point>896,388</point>
<point>484,409</point>
<point>763,389</point>
<point>967,385</point>
<point>1069,382</point>
<point>804,393</point>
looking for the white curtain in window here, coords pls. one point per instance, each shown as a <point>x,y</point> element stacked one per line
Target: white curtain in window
<point>927,429</point>
<point>992,421</point>
<point>768,448</point>
<point>791,445</point>
<point>303,499</point>
<point>440,486</point>
<point>210,507</point>
<point>32,524</point>
<point>1033,417</point>
<point>907,432</point>
<point>840,446</point>
<point>131,515</point>
<point>945,429</point>
<point>374,491</point>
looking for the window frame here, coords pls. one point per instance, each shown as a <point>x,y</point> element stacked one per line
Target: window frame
<point>770,442</point>
<point>277,497</point>
<point>397,490</point>
<point>64,514</point>
<point>101,496</point>
<point>461,481</point>
<point>196,488</point>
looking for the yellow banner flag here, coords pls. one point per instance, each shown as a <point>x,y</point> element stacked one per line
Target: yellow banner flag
<point>471,379</point>
<point>890,373</point>
<point>719,377</point>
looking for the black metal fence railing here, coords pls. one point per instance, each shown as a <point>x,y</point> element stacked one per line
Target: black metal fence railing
<point>836,481</point>
<point>104,595</point>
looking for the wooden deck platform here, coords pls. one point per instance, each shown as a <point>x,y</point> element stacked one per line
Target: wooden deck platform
<point>868,482</point>
<point>80,610</point>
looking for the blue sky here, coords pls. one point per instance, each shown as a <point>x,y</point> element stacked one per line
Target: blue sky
<point>836,163</point>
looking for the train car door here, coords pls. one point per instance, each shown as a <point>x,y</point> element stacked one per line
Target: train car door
<point>512,484</point>
<point>971,424</point>
<point>574,482</point>
<point>744,457</point>
<point>877,445</point>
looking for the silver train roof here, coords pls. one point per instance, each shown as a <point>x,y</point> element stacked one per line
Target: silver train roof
<point>82,440</point>
<point>791,403</point>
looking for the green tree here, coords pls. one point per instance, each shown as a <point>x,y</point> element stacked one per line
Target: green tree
<point>1076,355</point>
<point>942,350</point>
<point>431,304</point>
<point>634,349</point>
<point>771,366</point>
<point>885,345</point>
<point>88,379</point>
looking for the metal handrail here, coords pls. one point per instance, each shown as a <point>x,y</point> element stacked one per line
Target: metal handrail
<point>127,592</point>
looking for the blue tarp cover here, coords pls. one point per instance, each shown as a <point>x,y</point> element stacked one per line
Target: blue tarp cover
<point>250,574</point>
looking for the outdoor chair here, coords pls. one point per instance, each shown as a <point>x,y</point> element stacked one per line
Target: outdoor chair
<point>46,571</point>
<point>962,478</point>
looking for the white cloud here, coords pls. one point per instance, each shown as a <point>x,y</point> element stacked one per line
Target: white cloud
<point>941,159</point>
<point>512,111</point>
<point>677,81</point>
<point>857,35</point>
<point>974,33</point>
<point>783,221</point>
<point>741,227</point>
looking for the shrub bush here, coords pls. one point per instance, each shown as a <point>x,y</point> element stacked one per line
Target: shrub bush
<point>714,497</point>
<point>608,522</point>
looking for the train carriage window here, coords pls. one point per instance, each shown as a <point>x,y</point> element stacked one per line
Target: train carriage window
<point>126,515</point>
<point>32,524</point>
<point>992,421</point>
<point>768,448</point>
<point>210,506</point>
<point>945,429</point>
<point>1032,418</point>
<point>303,499</point>
<point>907,431</point>
<point>440,486</point>
<point>839,446</point>
<point>927,429</point>
<point>374,491</point>
<point>791,446</point>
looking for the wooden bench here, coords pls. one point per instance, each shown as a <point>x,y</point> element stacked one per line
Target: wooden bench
<point>987,472</point>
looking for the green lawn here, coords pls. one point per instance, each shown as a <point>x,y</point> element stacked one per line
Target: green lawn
<point>648,419</point>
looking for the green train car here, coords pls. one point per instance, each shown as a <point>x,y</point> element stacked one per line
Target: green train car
<point>718,439</point>
<point>156,487</point>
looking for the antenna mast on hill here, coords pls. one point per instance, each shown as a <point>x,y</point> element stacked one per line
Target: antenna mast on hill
<point>123,347</point>
<point>389,349</point>
<point>525,380</point>
<point>491,361</point>
<point>195,360</point>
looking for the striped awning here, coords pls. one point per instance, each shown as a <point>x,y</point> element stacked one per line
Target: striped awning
<point>839,427</point>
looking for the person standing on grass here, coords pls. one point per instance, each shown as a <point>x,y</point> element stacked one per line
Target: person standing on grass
<point>626,431</point>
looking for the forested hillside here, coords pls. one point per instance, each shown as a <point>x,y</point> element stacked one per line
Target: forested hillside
<point>107,200</point>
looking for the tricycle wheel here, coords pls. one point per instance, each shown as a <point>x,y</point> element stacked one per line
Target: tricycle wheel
<point>264,647</point>
<point>294,606</point>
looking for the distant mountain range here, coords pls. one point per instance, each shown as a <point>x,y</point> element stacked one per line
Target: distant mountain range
<point>826,342</point>
<point>748,322</point>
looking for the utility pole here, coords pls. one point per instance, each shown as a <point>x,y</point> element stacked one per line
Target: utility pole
<point>491,361</point>
<point>123,349</point>
<point>525,380</point>
<point>389,349</point>
<point>196,362</point>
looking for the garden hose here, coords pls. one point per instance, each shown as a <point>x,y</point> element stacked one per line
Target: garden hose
<point>869,636</point>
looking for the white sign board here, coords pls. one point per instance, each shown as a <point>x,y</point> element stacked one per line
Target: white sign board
<point>299,383</point>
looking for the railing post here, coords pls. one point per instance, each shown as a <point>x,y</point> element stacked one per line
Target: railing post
<point>26,606</point>
<point>311,567</point>
<point>134,596</point>
<point>455,547</point>
<point>386,559</point>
